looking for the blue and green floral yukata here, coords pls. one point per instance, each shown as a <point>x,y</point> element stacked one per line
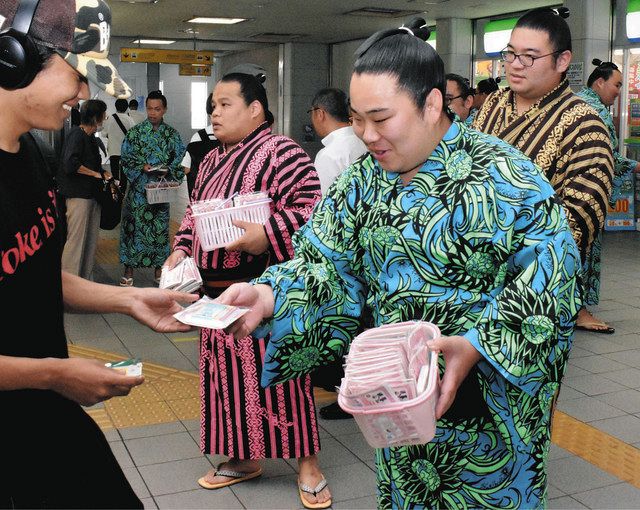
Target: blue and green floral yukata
<point>144,234</point>
<point>622,183</point>
<point>476,243</point>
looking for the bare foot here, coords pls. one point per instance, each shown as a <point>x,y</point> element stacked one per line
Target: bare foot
<point>586,320</point>
<point>311,475</point>
<point>242,466</point>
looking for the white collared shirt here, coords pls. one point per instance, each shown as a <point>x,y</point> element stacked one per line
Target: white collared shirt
<point>341,148</point>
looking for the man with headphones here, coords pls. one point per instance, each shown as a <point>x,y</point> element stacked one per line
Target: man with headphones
<point>49,51</point>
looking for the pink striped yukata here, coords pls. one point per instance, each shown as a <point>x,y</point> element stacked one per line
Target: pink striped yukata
<point>238,417</point>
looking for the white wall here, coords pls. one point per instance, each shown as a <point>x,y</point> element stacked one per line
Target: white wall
<point>342,60</point>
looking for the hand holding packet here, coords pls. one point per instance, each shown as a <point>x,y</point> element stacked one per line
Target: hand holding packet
<point>130,367</point>
<point>183,277</point>
<point>206,313</point>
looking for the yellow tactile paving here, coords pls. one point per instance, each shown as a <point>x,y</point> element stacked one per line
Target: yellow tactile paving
<point>600,449</point>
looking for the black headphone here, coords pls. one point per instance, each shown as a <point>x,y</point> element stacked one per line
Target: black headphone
<point>19,57</point>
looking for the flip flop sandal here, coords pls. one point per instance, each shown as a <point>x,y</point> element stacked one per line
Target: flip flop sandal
<point>589,326</point>
<point>126,282</point>
<point>303,487</point>
<point>237,477</point>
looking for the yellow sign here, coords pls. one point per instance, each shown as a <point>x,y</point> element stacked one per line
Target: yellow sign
<point>150,55</point>
<point>194,70</point>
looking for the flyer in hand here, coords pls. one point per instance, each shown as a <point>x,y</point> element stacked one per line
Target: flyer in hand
<point>205,313</point>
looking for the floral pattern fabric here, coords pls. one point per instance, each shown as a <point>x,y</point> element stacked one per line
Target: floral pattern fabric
<point>144,232</point>
<point>476,243</point>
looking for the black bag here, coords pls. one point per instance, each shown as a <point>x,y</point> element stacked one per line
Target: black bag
<point>110,199</point>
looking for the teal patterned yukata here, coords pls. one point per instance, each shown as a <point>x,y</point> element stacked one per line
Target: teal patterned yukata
<point>476,243</point>
<point>144,232</point>
<point>622,183</point>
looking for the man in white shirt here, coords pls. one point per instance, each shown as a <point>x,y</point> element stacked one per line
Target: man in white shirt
<point>137,116</point>
<point>330,119</point>
<point>114,129</point>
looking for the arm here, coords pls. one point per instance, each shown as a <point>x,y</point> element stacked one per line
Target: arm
<point>586,168</point>
<point>149,306</point>
<point>297,189</point>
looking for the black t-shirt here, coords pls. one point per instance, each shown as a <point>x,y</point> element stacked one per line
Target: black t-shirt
<point>79,149</point>
<point>30,278</point>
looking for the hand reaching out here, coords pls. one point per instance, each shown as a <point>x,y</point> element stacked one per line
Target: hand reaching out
<point>155,308</point>
<point>258,298</point>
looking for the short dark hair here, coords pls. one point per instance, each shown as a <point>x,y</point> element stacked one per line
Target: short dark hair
<point>209,106</point>
<point>92,111</point>
<point>121,105</point>
<point>550,21</point>
<point>133,104</point>
<point>414,63</point>
<point>603,70</point>
<point>463,84</point>
<point>487,86</point>
<point>334,102</point>
<point>156,94</point>
<point>44,52</point>
<point>251,90</point>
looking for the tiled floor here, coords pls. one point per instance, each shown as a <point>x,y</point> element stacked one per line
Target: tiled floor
<point>601,389</point>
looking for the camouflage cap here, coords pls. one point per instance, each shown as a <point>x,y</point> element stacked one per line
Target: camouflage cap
<point>79,31</point>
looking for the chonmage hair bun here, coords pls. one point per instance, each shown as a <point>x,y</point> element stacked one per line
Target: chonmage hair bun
<point>596,62</point>
<point>417,27</point>
<point>563,12</point>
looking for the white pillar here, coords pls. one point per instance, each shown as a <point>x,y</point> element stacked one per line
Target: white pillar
<point>454,39</point>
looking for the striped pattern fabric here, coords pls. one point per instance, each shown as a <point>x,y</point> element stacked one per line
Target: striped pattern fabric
<point>565,137</point>
<point>261,162</point>
<point>239,418</point>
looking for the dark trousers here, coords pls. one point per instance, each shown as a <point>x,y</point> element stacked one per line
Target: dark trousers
<point>114,161</point>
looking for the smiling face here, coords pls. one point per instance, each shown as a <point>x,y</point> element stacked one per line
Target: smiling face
<point>47,101</point>
<point>232,118</point>
<point>545,74</point>
<point>397,134</point>
<point>608,90</point>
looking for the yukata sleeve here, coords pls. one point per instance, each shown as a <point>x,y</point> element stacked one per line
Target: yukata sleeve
<point>525,331</point>
<point>623,166</point>
<point>183,239</point>
<point>132,157</point>
<point>297,190</point>
<point>320,294</point>
<point>587,162</point>
<point>176,152</point>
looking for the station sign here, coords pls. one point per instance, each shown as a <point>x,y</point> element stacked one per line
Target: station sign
<point>153,55</point>
<point>194,70</point>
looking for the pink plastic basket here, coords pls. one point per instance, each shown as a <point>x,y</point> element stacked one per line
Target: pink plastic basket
<point>215,230</point>
<point>400,423</point>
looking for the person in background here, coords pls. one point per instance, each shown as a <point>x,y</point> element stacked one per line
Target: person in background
<point>459,97</point>
<point>133,112</point>
<point>144,233</point>
<point>115,129</point>
<point>202,142</point>
<point>79,177</point>
<point>44,432</point>
<point>603,87</point>
<point>240,419</point>
<point>330,120</point>
<point>541,116</point>
<point>482,91</point>
<point>405,231</point>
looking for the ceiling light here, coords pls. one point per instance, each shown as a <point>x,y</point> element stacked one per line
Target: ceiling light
<point>152,41</point>
<point>216,21</point>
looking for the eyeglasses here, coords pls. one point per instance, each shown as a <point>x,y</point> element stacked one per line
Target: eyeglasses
<point>312,110</point>
<point>448,99</point>
<point>525,59</point>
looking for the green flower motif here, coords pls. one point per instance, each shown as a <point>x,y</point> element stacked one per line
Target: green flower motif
<point>148,216</point>
<point>546,395</point>
<point>364,237</point>
<point>304,359</point>
<point>427,473</point>
<point>458,166</point>
<point>501,275</point>
<point>479,265</point>
<point>318,271</point>
<point>146,262</point>
<point>342,182</point>
<point>537,328</point>
<point>385,236</point>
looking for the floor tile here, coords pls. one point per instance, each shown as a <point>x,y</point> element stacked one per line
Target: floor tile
<point>151,430</point>
<point>596,364</point>
<point>269,493</point>
<point>576,475</point>
<point>593,384</point>
<point>172,477</point>
<point>626,428</point>
<point>366,503</point>
<point>622,496</point>
<point>165,448</point>
<point>629,377</point>
<point>564,503</point>
<point>627,400</point>
<point>137,483</point>
<point>589,409</point>
<point>200,499</point>
<point>121,454</point>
